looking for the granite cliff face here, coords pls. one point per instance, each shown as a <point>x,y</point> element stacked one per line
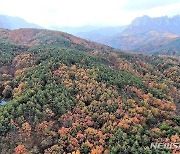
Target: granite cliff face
<point>160,24</point>
<point>149,35</point>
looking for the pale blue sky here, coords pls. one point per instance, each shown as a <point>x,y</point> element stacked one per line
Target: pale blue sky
<point>61,13</point>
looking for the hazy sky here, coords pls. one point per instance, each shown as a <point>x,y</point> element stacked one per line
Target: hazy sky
<point>87,12</point>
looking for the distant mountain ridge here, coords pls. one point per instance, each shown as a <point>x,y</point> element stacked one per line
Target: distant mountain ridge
<point>147,35</point>
<point>12,23</point>
<point>161,24</point>
<point>159,35</point>
<point>75,30</point>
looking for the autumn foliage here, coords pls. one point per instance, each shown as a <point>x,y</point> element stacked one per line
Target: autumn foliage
<point>68,95</point>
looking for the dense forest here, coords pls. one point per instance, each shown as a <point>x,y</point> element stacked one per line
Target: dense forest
<point>68,95</point>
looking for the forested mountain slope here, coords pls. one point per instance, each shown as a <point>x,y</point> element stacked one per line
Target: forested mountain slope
<point>68,95</point>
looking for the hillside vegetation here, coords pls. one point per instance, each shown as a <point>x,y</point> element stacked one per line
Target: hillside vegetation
<point>69,95</point>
